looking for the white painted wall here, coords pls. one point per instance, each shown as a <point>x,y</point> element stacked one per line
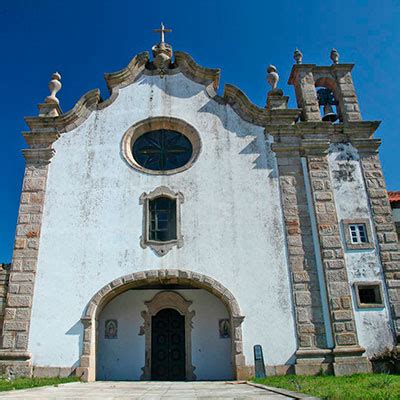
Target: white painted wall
<point>373,325</point>
<point>231,219</point>
<point>124,357</point>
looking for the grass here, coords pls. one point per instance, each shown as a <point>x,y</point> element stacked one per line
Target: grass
<point>354,387</point>
<point>28,383</point>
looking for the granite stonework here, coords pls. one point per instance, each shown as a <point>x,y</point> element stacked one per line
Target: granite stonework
<point>4,279</point>
<point>266,199</point>
<point>385,229</point>
<point>394,199</point>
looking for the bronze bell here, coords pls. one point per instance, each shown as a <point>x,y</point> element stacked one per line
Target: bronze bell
<point>329,115</point>
<point>327,100</point>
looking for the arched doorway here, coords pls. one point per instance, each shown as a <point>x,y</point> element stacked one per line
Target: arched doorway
<point>152,292</point>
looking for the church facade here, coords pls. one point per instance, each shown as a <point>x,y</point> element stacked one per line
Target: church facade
<point>166,231</point>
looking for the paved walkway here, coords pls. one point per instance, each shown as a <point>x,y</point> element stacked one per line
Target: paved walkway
<point>146,391</point>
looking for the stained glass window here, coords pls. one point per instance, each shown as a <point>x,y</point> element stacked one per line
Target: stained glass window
<point>162,219</point>
<point>162,150</point>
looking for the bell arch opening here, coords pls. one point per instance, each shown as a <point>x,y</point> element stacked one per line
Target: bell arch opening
<point>191,294</point>
<point>328,99</point>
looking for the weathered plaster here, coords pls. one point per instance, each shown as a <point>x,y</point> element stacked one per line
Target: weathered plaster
<point>362,265</point>
<point>231,220</point>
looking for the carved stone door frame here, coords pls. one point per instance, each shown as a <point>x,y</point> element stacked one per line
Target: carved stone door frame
<point>162,300</point>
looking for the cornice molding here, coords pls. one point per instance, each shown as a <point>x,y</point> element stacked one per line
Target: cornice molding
<point>40,139</point>
<point>129,74</point>
<point>301,69</point>
<point>315,137</point>
<point>350,130</point>
<point>195,72</point>
<point>69,120</point>
<point>365,147</point>
<point>184,63</point>
<point>38,156</point>
<point>315,146</point>
<point>249,112</point>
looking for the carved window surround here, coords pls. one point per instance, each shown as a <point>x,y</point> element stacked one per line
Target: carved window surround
<point>160,301</point>
<point>159,247</point>
<point>156,123</point>
<point>346,230</point>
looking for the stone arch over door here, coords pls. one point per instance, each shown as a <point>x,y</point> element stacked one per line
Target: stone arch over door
<point>87,367</point>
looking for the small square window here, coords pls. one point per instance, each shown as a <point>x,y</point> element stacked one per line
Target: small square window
<point>369,294</point>
<point>357,233</point>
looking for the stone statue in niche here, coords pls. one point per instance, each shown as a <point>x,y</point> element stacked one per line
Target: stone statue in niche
<point>111,329</point>
<point>224,329</point>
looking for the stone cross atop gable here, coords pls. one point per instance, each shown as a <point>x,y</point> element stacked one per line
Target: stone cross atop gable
<point>162,30</point>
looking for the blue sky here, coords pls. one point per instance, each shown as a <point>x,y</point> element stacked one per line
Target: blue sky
<point>84,39</point>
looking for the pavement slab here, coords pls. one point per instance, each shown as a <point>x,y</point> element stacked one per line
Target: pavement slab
<point>146,391</point>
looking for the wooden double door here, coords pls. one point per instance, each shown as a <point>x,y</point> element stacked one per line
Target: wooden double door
<point>168,358</point>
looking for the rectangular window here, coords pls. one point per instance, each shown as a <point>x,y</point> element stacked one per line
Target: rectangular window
<point>369,295</point>
<point>162,219</point>
<point>358,233</point>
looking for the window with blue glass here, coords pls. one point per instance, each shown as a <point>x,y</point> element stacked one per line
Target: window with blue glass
<point>162,150</point>
<point>162,221</point>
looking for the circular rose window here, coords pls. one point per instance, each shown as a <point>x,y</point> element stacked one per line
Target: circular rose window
<point>161,145</point>
<point>162,150</point>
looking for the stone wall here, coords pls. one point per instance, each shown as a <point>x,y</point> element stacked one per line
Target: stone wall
<point>4,278</point>
<point>394,198</point>
<point>302,259</point>
<point>385,230</point>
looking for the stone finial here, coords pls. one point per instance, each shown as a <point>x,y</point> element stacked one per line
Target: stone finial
<point>162,52</point>
<point>275,99</point>
<point>54,87</point>
<point>50,107</point>
<point>335,56</point>
<point>298,56</point>
<point>272,77</point>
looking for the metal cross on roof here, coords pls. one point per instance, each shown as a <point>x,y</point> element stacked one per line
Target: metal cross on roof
<point>162,30</point>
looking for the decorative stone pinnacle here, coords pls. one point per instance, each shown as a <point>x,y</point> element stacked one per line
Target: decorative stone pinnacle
<point>272,77</point>
<point>335,56</point>
<point>298,56</point>
<point>54,87</point>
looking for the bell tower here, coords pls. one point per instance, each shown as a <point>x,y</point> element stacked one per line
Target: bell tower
<point>321,89</point>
